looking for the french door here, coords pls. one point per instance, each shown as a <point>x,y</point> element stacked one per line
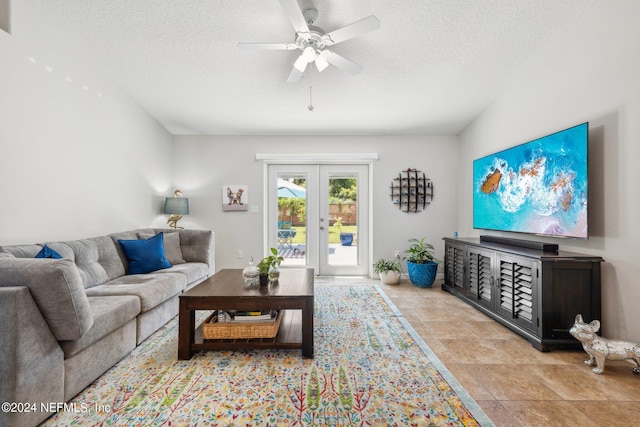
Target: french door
<point>318,216</point>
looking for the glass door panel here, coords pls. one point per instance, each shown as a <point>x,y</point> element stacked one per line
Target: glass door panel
<point>292,207</point>
<point>344,243</point>
<point>317,216</point>
<point>292,218</point>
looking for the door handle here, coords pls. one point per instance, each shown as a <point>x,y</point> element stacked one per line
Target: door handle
<point>322,227</point>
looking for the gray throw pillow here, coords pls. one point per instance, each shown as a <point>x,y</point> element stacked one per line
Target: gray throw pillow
<point>172,251</point>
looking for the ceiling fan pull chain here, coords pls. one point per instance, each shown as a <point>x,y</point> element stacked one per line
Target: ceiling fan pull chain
<point>310,107</point>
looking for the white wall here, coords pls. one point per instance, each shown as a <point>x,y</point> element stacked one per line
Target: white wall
<point>590,73</point>
<point>204,164</point>
<point>74,162</point>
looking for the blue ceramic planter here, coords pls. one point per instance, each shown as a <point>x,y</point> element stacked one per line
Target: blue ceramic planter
<point>346,239</point>
<point>422,275</point>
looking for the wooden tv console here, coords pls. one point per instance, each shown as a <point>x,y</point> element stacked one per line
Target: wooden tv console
<point>536,294</point>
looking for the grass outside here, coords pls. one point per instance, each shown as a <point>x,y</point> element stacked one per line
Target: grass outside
<point>334,235</point>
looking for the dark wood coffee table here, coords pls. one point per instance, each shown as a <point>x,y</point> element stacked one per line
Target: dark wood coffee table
<point>226,290</point>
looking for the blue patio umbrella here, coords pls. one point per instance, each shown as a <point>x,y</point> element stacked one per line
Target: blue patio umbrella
<point>290,190</point>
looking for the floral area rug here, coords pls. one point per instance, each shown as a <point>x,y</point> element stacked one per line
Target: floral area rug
<point>370,369</point>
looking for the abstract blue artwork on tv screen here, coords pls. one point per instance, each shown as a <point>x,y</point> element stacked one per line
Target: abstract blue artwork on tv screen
<point>538,187</point>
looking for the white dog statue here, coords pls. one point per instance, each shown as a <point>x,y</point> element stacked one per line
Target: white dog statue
<point>600,349</point>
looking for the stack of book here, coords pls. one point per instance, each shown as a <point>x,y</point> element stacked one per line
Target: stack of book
<point>233,316</point>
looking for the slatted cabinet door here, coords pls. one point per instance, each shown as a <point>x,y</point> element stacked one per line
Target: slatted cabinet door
<point>517,290</point>
<point>480,277</point>
<point>454,266</point>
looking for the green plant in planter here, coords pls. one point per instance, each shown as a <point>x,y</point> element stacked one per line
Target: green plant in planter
<point>383,265</point>
<point>346,239</point>
<point>422,264</point>
<point>271,261</point>
<point>389,271</point>
<point>421,252</point>
<point>338,224</point>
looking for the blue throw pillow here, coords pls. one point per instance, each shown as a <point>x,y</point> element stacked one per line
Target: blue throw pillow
<point>47,252</point>
<point>145,256</point>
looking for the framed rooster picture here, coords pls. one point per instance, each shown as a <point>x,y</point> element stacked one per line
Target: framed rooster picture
<point>235,198</point>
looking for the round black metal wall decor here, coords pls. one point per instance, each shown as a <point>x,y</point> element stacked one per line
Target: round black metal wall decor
<point>411,190</point>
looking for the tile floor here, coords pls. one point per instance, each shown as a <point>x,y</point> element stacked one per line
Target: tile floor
<point>515,384</point>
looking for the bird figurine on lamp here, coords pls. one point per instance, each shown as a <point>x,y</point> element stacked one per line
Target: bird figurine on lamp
<point>176,206</point>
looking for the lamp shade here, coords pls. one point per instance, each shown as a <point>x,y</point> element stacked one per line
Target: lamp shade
<point>176,206</point>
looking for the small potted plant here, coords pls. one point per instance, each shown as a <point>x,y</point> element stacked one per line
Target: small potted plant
<point>389,271</point>
<point>268,266</point>
<point>422,265</point>
<point>346,239</point>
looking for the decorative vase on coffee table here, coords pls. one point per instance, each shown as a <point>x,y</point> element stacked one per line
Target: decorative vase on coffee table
<point>274,273</point>
<point>251,274</point>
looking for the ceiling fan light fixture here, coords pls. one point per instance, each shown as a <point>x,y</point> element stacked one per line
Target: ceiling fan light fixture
<point>301,63</point>
<point>321,60</point>
<point>309,54</point>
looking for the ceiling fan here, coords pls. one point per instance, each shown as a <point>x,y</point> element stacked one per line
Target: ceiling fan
<point>312,41</point>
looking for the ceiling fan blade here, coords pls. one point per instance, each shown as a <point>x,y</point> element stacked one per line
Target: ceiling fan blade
<point>294,75</point>
<point>363,26</point>
<point>268,46</point>
<point>343,63</point>
<point>293,12</point>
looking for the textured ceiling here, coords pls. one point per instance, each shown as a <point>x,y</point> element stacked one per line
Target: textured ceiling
<point>430,69</point>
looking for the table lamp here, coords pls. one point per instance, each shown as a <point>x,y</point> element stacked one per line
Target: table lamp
<point>176,206</point>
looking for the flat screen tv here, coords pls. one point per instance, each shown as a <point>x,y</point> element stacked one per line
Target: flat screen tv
<point>539,187</point>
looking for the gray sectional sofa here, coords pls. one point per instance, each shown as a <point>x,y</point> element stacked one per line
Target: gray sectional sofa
<point>64,322</point>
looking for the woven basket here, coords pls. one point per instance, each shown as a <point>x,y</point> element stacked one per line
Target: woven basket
<point>212,330</point>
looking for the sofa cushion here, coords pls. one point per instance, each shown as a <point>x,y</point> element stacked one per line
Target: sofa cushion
<point>22,251</point>
<point>31,360</point>
<point>127,235</point>
<point>47,252</point>
<point>152,289</point>
<point>145,255</point>
<point>96,258</point>
<point>194,271</point>
<point>56,287</point>
<point>109,314</point>
<point>196,245</point>
<point>172,250</point>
